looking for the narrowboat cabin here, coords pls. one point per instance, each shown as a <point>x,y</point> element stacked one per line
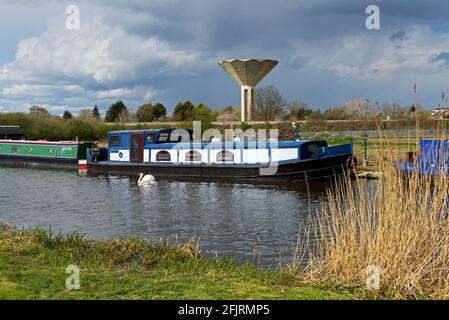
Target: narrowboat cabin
<point>11,132</point>
<point>43,152</point>
<point>175,153</point>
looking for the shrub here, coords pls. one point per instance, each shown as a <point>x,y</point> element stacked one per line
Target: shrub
<point>149,112</point>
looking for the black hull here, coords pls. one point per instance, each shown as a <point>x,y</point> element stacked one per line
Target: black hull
<point>307,170</point>
<point>24,162</point>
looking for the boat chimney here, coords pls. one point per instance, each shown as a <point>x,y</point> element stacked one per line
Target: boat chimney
<point>82,166</point>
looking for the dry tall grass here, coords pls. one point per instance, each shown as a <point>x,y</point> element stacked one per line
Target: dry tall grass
<point>399,225</point>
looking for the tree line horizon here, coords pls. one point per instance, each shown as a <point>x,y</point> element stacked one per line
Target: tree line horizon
<point>270,105</point>
<point>90,125</point>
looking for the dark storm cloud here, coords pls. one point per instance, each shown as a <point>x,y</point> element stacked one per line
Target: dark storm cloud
<point>264,26</point>
<point>410,9</point>
<point>313,39</point>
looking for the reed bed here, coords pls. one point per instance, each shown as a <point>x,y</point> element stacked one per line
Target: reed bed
<point>398,227</point>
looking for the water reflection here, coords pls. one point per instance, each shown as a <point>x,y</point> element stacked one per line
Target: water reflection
<point>243,221</point>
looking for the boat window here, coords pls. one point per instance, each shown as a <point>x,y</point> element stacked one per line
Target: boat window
<point>163,137</point>
<point>193,155</point>
<point>179,135</point>
<point>150,138</point>
<point>313,147</point>
<point>225,156</point>
<point>114,141</point>
<point>15,149</point>
<point>163,156</point>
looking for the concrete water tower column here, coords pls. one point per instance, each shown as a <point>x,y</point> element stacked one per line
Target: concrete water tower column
<point>247,101</point>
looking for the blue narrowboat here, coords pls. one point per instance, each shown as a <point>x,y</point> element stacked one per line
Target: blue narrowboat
<point>431,158</point>
<point>175,153</point>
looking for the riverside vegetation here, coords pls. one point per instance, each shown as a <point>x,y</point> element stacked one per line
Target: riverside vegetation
<point>399,227</point>
<point>39,124</point>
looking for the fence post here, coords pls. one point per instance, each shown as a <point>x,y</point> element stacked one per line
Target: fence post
<point>365,137</point>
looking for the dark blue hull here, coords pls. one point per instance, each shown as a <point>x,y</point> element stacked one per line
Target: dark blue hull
<point>311,169</point>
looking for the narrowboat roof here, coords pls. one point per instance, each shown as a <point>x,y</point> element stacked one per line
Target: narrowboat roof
<point>40,142</point>
<point>10,130</point>
<point>166,129</point>
<point>143,130</point>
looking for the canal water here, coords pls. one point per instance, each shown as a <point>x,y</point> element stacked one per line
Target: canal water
<point>248,222</point>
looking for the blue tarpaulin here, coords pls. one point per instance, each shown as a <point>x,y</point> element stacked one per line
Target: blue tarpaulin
<point>433,158</point>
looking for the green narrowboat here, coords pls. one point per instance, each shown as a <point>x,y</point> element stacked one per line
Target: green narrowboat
<point>42,151</point>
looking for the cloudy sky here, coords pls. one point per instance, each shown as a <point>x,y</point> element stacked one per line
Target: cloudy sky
<point>167,50</point>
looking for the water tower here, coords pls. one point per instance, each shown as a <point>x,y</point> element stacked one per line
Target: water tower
<point>248,73</point>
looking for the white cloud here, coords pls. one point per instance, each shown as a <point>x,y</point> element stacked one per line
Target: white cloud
<point>94,64</point>
<point>29,90</point>
<point>141,91</point>
<point>99,53</point>
<point>32,91</point>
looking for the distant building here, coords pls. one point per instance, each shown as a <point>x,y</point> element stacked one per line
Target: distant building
<point>440,112</point>
<point>11,132</point>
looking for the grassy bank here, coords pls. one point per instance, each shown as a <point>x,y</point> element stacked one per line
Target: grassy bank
<point>33,264</point>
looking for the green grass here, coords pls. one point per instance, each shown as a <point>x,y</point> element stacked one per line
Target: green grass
<point>374,145</point>
<point>33,264</point>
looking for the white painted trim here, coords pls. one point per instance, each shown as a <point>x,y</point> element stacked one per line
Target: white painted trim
<point>116,157</point>
<point>284,154</point>
<point>256,156</point>
<point>146,155</point>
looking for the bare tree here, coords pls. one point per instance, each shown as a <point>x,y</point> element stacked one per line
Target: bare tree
<point>39,111</point>
<point>269,103</point>
<point>360,108</point>
<point>123,116</point>
<point>390,109</point>
<point>85,113</point>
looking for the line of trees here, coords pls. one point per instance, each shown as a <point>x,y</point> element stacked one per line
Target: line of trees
<point>269,105</point>
<point>148,112</point>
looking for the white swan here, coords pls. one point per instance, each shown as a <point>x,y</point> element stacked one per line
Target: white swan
<point>146,179</point>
